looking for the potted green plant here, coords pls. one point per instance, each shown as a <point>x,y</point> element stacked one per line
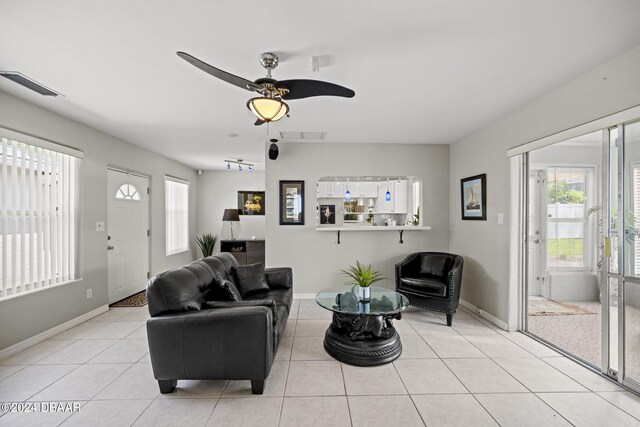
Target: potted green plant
<point>415,219</point>
<point>206,242</point>
<point>362,278</point>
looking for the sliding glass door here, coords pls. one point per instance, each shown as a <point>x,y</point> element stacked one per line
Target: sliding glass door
<point>629,293</point>
<point>563,298</point>
<point>583,249</point>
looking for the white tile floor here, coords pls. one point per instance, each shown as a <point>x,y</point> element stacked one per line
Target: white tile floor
<point>471,374</point>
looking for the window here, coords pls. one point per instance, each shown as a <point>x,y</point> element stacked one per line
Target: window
<point>567,217</point>
<point>127,192</point>
<point>177,214</point>
<point>38,217</point>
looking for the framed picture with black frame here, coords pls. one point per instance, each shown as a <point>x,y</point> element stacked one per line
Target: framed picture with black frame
<point>251,202</point>
<point>473,193</point>
<point>291,202</point>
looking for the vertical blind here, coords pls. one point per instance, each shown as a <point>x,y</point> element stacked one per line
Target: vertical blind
<point>177,215</point>
<point>38,217</point>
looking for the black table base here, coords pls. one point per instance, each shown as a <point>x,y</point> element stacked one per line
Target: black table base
<point>363,340</point>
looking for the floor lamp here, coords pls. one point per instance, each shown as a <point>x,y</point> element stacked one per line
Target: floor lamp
<point>232,216</point>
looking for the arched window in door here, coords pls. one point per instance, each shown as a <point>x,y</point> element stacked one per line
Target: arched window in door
<point>127,192</point>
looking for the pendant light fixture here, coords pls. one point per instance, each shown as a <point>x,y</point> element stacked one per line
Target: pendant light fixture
<point>387,195</point>
<point>347,195</point>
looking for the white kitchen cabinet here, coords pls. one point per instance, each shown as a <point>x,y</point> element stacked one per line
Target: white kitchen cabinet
<point>398,192</point>
<point>368,189</point>
<point>331,189</point>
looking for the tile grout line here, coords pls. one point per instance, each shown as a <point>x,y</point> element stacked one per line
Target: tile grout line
<point>612,403</point>
<point>346,396</point>
<point>395,368</point>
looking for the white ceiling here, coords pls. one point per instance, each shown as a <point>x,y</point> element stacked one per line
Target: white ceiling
<point>423,71</point>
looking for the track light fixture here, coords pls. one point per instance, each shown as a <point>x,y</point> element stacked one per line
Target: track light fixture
<point>240,164</point>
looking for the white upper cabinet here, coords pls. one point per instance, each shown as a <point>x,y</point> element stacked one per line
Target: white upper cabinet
<point>331,189</point>
<point>397,202</point>
<point>368,189</point>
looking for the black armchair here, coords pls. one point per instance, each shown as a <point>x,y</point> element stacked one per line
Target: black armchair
<point>431,280</point>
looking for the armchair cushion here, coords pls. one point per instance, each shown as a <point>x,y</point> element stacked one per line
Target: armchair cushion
<point>436,265</point>
<point>424,285</point>
<point>251,279</point>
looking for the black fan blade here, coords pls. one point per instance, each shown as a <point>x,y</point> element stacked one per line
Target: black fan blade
<point>222,75</point>
<point>259,122</point>
<point>307,88</point>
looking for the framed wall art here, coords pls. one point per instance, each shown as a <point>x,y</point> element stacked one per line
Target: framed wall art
<point>327,214</point>
<point>291,202</point>
<point>251,202</point>
<point>473,191</point>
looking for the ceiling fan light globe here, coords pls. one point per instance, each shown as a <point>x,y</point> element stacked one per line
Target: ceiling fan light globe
<point>268,109</point>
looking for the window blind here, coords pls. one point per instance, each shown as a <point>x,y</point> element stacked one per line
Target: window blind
<point>177,215</point>
<point>38,217</point>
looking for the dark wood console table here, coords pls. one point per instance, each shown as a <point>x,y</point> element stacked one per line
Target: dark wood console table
<point>245,251</point>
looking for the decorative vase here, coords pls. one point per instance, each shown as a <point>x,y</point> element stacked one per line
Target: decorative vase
<point>364,293</point>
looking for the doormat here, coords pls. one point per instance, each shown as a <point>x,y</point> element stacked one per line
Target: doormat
<point>135,300</point>
<point>554,308</point>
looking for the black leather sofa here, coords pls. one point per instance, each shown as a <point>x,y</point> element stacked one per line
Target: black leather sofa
<point>195,332</point>
<point>431,280</point>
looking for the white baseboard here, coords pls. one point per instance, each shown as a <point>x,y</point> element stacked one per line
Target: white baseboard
<point>490,317</point>
<point>304,296</point>
<point>22,345</point>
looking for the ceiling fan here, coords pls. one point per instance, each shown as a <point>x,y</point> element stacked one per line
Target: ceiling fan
<point>270,107</point>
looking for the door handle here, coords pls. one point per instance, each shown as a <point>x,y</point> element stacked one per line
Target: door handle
<point>110,248</point>
<point>536,241</point>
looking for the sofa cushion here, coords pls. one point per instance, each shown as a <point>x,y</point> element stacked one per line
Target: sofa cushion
<point>436,265</point>
<point>424,285</point>
<point>250,279</point>
<point>282,297</point>
<point>175,290</point>
<point>202,271</point>
<point>231,292</point>
<point>221,269</point>
<point>279,278</point>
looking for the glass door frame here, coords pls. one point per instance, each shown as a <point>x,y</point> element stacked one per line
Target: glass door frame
<point>603,238</point>
<point>606,232</point>
<point>623,278</point>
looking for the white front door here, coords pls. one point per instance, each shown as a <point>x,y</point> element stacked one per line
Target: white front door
<point>127,234</point>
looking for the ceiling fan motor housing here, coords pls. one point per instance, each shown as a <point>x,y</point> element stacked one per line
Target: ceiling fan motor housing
<point>269,60</point>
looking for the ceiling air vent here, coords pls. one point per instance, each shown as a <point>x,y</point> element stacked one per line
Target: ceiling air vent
<point>302,135</point>
<point>25,81</point>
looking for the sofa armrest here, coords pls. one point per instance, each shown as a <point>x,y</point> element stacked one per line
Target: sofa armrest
<point>251,303</point>
<point>221,343</point>
<point>279,278</point>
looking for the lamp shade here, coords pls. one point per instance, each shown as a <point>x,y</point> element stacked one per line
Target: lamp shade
<point>231,215</point>
<point>268,109</point>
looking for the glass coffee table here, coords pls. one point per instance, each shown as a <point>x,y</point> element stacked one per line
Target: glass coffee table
<point>362,332</point>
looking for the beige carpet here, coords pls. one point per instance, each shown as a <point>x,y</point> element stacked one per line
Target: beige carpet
<point>135,300</point>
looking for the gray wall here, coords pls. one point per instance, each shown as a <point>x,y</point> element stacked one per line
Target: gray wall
<point>610,88</point>
<point>217,191</point>
<point>315,257</point>
<point>25,316</point>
